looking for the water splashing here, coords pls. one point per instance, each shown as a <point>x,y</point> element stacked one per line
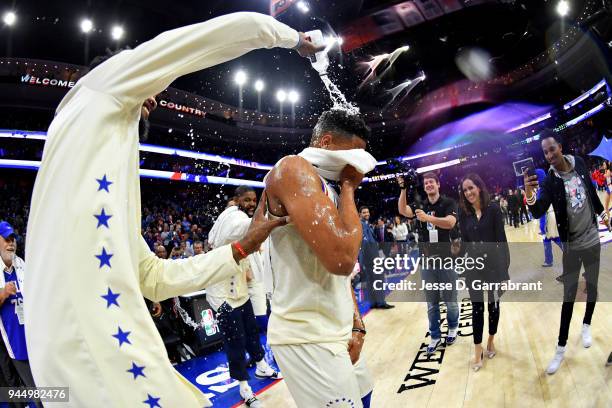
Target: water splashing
<point>338,97</point>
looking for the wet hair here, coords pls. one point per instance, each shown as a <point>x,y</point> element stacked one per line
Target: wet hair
<point>342,124</point>
<point>431,175</point>
<point>103,58</point>
<point>241,190</point>
<point>485,198</point>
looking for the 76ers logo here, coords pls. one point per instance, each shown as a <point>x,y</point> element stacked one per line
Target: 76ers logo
<point>341,403</point>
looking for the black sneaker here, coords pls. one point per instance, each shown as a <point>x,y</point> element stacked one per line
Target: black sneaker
<point>386,306</point>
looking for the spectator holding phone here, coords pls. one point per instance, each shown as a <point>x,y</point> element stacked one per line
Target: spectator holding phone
<point>568,188</point>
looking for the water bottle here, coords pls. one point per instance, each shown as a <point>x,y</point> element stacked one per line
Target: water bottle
<point>319,61</point>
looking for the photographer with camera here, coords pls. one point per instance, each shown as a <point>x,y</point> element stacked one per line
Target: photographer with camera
<point>437,216</point>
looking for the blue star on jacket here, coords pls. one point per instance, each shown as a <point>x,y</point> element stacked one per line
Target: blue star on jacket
<point>122,336</point>
<point>136,370</point>
<point>104,258</point>
<point>111,298</point>
<point>104,183</point>
<point>152,401</point>
<point>102,219</point>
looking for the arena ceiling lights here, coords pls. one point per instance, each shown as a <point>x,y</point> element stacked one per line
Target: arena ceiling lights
<point>33,165</point>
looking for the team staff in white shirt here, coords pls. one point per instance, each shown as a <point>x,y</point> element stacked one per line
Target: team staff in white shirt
<point>230,298</point>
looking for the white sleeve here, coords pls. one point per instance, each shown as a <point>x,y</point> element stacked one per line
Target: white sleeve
<point>234,227</point>
<point>134,75</point>
<point>162,278</point>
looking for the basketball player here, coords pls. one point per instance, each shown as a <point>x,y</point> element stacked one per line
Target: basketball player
<point>315,330</point>
<point>87,325</point>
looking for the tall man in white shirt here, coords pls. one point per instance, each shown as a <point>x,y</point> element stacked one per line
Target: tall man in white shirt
<point>87,326</point>
<point>230,298</point>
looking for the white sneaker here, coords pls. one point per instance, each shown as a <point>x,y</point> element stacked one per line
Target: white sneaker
<point>263,370</point>
<point>556,361</point>
<point>269,373</point>
<point>250,400</point>
<point>587,339</point>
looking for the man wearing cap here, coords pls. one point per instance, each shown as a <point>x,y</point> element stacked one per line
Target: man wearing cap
<point>11,303</point>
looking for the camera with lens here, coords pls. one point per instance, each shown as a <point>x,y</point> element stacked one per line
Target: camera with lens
<point>404,170</point>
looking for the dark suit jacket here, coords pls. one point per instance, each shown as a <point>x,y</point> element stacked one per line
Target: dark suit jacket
<point>486,237</point>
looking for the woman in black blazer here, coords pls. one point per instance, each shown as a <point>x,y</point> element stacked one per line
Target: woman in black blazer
<point>482,234</point>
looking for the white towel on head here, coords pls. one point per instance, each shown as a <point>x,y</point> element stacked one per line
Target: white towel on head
<point>329,163</point>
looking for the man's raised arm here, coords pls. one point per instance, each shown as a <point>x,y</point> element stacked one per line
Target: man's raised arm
<point>161,279</point>
<point>333,234</point>
<point>134,75</point>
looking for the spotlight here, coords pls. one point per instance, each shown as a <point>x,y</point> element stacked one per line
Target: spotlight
<point>303,6</point>
<point>240,78</point>
<point>86,25</point>
<point>9,18</point>
<point>259,85</point>
<point>563,8</point>
<point>293,96</point>
<point>117,32</point>
<point>281,95</point>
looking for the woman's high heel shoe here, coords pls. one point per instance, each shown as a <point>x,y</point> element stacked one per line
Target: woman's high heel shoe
<point>478,366</point>
<point>491,353</point>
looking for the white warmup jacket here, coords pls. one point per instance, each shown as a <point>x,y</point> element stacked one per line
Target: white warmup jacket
<point>232,225</point>
<point>87,326</point>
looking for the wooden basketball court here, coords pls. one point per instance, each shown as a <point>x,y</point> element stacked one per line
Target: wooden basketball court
<point>525,343</point>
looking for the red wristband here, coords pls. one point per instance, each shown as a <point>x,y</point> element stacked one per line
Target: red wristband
<point>239,248</point>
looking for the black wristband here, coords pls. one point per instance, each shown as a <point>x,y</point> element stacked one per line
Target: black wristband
<point>358,330</point>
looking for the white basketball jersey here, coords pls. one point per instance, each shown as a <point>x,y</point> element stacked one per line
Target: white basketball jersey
<point>309,304</point>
